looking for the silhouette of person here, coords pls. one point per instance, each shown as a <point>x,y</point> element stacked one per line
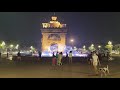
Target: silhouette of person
<point>19,56</point>
<point>70,57</point>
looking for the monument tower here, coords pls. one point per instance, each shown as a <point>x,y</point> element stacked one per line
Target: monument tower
<point>53,35</point>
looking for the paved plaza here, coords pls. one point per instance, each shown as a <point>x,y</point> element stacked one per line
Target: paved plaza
<point>81,69</point>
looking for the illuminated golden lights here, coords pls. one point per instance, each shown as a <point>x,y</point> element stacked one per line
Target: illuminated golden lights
<point>61,48</point>
<point>53,24</point>
<point>54,18</point>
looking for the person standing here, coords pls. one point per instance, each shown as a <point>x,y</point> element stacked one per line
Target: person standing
<point>70,57</point>
<point>108,55</point>
<point>66,57</point>
<point>7,55</point>
<point>53,54</point>
<point>60,59</point>
<point>100,56</point>
<point>90,57</point>
<point>19,56</point>
<point>54,62</point>
<point>39,55</point>
<point>0,54</point>
<point>95,62</point>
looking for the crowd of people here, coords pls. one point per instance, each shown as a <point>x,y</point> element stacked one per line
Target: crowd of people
<point>58,58</point>
<point>94,58</point>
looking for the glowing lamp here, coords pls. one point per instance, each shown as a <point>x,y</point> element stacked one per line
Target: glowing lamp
<point>99,46</point>
<point>11,46</point>
<point>84,47</point>
<point>109,43</point>
<point>92,45</point>
<point>72,40</point>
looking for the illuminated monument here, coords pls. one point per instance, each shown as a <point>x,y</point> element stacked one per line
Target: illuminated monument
<point>53,35</point>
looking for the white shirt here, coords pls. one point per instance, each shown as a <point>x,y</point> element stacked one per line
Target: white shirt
<point>70,54</point>
<point>95,58</point>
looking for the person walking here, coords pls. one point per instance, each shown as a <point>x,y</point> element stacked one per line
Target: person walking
<point>95,62</point>
<point>70,57</point>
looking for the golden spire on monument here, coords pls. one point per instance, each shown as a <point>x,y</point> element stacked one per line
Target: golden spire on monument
<point>54,18</point>
<point>53,23</point>
<point>53,34</point>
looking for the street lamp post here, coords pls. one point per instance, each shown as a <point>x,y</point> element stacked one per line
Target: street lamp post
<point>72,42</point>
<point>84,47</point>
<point>110,46</point>
<point>99,46</point>
<point>109,43</point>
<point>11,47</point>
<point>92,45</point>
<point>91,48</point>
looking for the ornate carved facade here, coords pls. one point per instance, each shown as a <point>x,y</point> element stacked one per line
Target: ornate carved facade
<point>53,35</point>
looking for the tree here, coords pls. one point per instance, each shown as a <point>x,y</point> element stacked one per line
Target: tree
<point>92,48</point>
<point>109,46</point>
<point>117,47</point>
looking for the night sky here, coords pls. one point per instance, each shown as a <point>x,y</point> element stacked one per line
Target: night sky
<point>84,27</point>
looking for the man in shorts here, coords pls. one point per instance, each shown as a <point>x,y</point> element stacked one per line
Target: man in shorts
<point>95,62</point>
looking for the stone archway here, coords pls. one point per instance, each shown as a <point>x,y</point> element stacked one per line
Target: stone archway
<point>54,47</point>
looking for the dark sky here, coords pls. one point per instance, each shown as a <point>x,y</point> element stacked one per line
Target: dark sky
<point>84,27</point>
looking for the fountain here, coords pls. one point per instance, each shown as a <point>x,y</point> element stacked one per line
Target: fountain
<point>75,53</point>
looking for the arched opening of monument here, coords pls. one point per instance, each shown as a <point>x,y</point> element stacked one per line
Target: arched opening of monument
<point>54,47</point>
